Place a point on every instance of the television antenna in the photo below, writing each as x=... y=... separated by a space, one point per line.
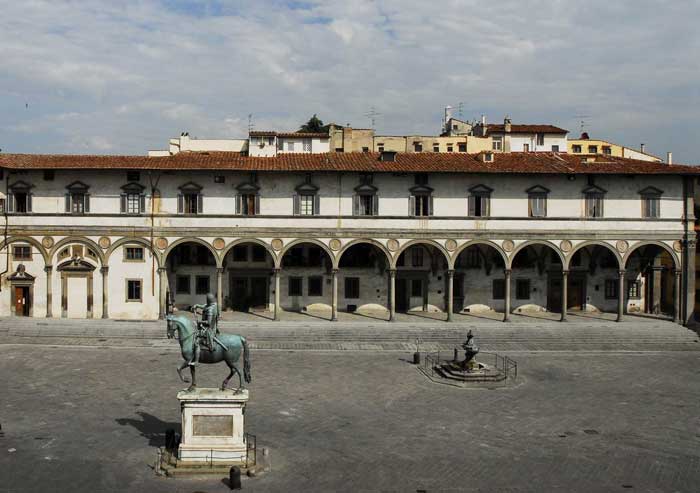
x=251 y=125
x=583 y=124
x=460 y=110
x=372 y=114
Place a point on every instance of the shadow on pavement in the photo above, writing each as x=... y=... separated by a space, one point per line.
x=150 y=427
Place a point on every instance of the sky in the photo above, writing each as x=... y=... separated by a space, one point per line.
x=122 y=77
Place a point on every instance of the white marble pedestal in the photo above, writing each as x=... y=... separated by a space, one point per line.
x=212 y=426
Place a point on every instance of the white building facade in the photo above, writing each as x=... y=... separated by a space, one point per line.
x=120 y=237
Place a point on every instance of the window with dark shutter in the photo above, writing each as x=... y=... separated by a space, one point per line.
x=479 y=201
x=651 y=202
x=19 y=198
x=190 y=200
x=77 y=198
x=306 y=199
x=593 y=201
x=537 y=201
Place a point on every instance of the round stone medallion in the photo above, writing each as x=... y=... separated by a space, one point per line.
x=162 y=243
x=622 y=246
x=334 y=244
x=104 y=242
x=392 y=245
x=277 y=244
x=47 y=241
x=677 y=246
x=451 y=245
x=219 y=243
x=565 y=246
x=508 y=245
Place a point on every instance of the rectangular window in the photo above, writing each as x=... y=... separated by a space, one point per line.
x=307 y=145
x=190 y=201
x=462 y=147
x=436 y=148
x=555 y=148
x=182 y=285
x=498 y=289
x=133 y=254
x=449 y=148
x=295 y=286
x=290 y=146
x=270 y=141
x=651 y=206
x=201 y=284
x=633 y=289
x=592 y=149
x=306 y=205
x=538 y=204
x=133 y=203
x=22 y=252
x=248 y=204
x=316 y=286
x=526 y=147
x=594 y=205
x=134 y=290
x=352 y=287
x=611 y=289
x=576 y=148
x=366 y=205
x=607 y=150
x=133 y=176
x=479 y=205
x=540 y=139
x=77 y=203
x=522 y=289
x=280 y=144
x=259 y=253
x=422 y=205
x=240 y=253
x=417 y=257
x=416 y=288
x=380 y=147
x=497 y=143
x=364 y=149
x=418 y=147
x=21 y=202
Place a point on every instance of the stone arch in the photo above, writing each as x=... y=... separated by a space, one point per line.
x=192 y=239
x=470 y=243
x=389 y=257
x=411 y=243
x=257 y=241
x=664 y=246
x=79 y=239
x=528 y=243
x=32 y=241
x=301 y=241
x=583 y=245
x=141 y=241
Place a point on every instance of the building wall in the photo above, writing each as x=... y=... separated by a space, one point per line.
x=517 y=142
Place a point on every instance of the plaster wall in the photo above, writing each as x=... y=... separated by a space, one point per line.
x=34 y=267
x=119 y=271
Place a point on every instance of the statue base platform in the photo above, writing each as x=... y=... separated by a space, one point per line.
x=476 y=374
x=213 y=430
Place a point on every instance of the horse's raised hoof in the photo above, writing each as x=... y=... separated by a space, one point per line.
x=191 y=388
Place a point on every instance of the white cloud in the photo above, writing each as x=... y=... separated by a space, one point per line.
x=123 y=77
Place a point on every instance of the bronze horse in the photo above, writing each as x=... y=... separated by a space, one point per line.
x=235 y=344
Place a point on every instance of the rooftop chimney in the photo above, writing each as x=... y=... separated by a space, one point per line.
x=507 y=127
x=584 y=136
x=483 y=126
x=669 y=158
x=642 y=146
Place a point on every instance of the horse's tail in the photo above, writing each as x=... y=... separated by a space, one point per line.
x=246 y=360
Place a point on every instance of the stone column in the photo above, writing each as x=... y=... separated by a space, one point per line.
x=620 y=294
x=162 y=291
x=276 y=273
x=689 y=279
x=105 y=291
x=392 y=295
x=564 y=293
x=334 y=298
x=49 y=291
x=677 y=297
x=657 y=271
x=450 y=293
x=220 y=288
x=506 y=311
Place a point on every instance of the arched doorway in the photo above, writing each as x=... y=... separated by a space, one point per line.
x=479 y=282
x=306 y=278
x=537 y=280
x=363 y=285
x=191 y=269
x=421 y=279
x=593 y=280
x=651 y=282
x=248 y=267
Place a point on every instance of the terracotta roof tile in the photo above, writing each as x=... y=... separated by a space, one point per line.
x=433 y=162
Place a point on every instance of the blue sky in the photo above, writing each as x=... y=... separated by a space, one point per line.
x=123 y=77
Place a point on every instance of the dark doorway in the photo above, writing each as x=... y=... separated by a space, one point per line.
x=401 y=295
x=249 y=292
x=554 y=293
x=576 y=291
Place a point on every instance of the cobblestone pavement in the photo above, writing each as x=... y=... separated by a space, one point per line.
x=84 y=419
x=524 y=334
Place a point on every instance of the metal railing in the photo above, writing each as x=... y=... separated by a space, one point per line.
x=504 y=364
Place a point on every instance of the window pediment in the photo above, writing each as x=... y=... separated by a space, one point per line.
x=594 y=189
x=306 y=188
x=481 y=189
x=133 y=187
x=421 y=190
x=538 y=189
x=365 y=189
x=190 y=187
x=21 y=186
x=248 y=188
x=650 y=191
x=77 y=187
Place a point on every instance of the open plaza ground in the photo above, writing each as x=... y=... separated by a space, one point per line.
x=91 y=418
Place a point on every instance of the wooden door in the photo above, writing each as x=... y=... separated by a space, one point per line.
x=239 y=293
x=259 y=290
x=576 y=293
x=21 y=301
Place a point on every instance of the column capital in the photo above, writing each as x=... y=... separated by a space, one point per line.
x=450 y=272
x=565 y=272
x=677 y=272
x=220 y=270
x=507 y=271
x=621 y=272
x=335 y=271
x=104 y=269
x=48 y=268
x=392 y=272
x=690 y=243
x=162 y=270
x=276 y=270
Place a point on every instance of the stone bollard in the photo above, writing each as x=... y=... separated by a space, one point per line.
x=456 y=355
x=234 y=478
x=169 y=439
x=267 y=462
x=416 y=358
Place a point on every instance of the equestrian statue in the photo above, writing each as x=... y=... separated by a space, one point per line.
x=201 y=342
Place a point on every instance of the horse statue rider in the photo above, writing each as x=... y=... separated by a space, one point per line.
x=207 y=327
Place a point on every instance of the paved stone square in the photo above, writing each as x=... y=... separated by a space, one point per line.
x=90 y=419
